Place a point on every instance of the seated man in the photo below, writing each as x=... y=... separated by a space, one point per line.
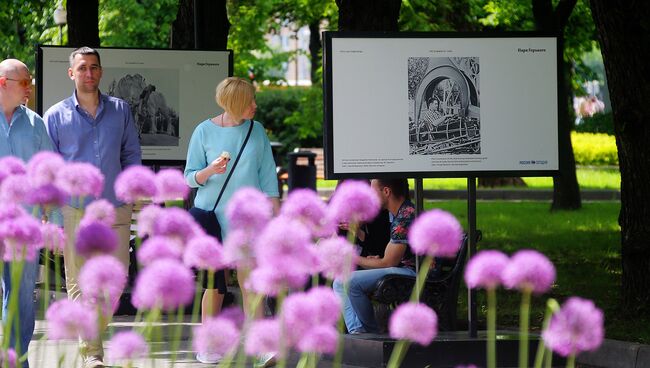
x=398 y=259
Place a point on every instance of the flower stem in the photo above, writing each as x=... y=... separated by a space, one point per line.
x=420 y=278
x=176 y=336
x=524 y=319
x=491 y=328
x=399 y=351
x=197 y=296
x=45 y=294
x=571 y=361
x=551 y=307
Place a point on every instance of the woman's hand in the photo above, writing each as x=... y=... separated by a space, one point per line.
x=219 y=165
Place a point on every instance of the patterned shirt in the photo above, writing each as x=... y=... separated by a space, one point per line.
x=399 y=227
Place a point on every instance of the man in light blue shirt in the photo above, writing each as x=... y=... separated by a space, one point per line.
x=96 y=128
x=22 y=134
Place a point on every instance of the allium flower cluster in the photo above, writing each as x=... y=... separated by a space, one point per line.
x=8 y=359
x=176 y=223
x=311 y=316
x=47 y=195
x=70 y=320
x=135 y=183
x=14 y=189
x=146 y=218
x=159 y=247
x=238 y=249
x=100 y=210
x=485 y=268
x=576 y=327
x=22 y=238
x=11 y=165
x=102 y=280
x=436 y=233
x=165 y=284
x=337 y=258
x=95 y=238
x=170 y=185
x=248 y=209
x=529 y=270
x=43 y=168
x=262 y=337
x=306 y=206
x=204 y=253
x=414 y=322
x=11 y=211
x=353 y=201
x=128 y=345
x=81 y=179
x=216 y=335
x=53 y=237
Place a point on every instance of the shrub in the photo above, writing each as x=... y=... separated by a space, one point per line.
x=599 y=123
x=594 y=149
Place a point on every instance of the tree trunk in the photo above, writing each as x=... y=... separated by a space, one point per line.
x=624 y=34
x=315 y=46
x=83 y=23
x=212 y=25
x=368 y=15
x=566 y=191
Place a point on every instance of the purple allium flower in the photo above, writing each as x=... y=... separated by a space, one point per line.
x=8 y=359
x=22 y=238
x=485 y=268
x=306 y=206
x=270 y=280
x=176 y=223
x=285 y=240
x=11 y=165
x=48 y=195
x=102 y=280
x=216 y=335
x=238 y=249
x=170 y=185
x=128 y=345
x=146 y=218
x=327 y=305
x=70 y=320
x=248 y=209
x=436 y=233
x=576 y=327
x=338 y=258
x=303 y=311
x=11 y=211
x=134 y=183
x=95 y=238
x=235 y=314
x=159 y=247
x=99 y=210
x=53 y=237
x=263 y=337
x=529 y=270
x=414 y=322
x=81 y=179
x=204 y=253
x=14 y=189
x=320 y=339
x=353 y=201
x=165 y=284
x=44 y=167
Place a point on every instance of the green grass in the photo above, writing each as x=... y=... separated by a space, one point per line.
x=588 y=177
x=584 y=245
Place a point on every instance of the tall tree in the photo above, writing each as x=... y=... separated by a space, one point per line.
x=624 y=33
x=566 y=192
x=142 y=23
x=83 y=23
x=369 y=15
x=206 y=28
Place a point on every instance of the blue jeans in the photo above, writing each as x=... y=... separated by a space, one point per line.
x=357 y=308
x=25 y=304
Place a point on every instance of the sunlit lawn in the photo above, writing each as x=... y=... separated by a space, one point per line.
x=584 y=245
x=588 y=178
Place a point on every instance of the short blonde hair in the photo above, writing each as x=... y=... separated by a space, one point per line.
x=235 y=95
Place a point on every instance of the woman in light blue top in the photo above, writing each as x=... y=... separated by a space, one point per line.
x=207 y=169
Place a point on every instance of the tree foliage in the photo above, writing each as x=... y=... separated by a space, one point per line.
x=141 y=23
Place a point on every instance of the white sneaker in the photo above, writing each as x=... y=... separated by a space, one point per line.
x=265 y=360
x=209 y=358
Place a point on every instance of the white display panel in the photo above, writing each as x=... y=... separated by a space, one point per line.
x=170 y=91
x=425 y=105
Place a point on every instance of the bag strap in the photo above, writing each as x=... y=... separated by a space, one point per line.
x=250 y=129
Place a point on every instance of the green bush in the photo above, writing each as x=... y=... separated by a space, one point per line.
x=290 y=117
x=594 y=149
x=599 y=123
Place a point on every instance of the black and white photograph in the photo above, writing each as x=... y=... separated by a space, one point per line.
x=444 y=110
x=153 y=96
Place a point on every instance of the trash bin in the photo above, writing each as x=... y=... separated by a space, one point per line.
x=302 y=170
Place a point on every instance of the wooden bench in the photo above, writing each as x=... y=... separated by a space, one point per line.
x=439 y=292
